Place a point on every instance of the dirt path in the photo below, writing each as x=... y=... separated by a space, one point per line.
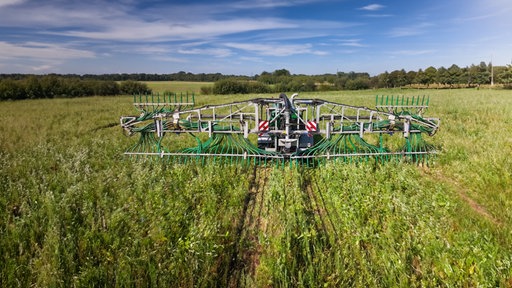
x=457 y=187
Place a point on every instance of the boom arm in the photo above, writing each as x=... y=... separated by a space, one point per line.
x=285 y=128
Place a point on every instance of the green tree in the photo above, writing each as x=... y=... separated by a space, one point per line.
x=421 y=78
x=230 y=86
x=430 y=75
x=133 y=87
x=360 y=83
x=340 y=81
x=484 y=73
x=410 y=76
x=281 y=73
x=398 y=78
x=383 y=80
x=505 y=76
x=33 y=89
x=51 y=86
x=258 y=87
x=454 y=75
x=104 y=87
x=478 y=74
x=265 y=77
x=442 y=75
x=310 y=85
x=11 y=90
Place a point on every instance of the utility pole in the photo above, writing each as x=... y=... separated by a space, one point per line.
x=492 y=73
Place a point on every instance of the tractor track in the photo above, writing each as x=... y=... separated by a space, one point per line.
x=326 y=209
x=246 y=250
x=461 y=192
x=105 y=126
x=316 y=209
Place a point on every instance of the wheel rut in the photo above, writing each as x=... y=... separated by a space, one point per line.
x=316 y=208
x=246 y=251
x=461 y=192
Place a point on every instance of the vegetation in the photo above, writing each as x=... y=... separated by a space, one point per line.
x=50 y=86
x=179 y=87
x=75 y=212
x=180 y=76
x=231 y=86
x=19 y=86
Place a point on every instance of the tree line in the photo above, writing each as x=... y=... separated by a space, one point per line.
x=52 y=86
x=25 y=86
x=451 y=77
x=283 y=81
x=180 y=76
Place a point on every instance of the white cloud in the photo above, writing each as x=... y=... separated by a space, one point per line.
x=153 y=49
x=379 y=15
x=372 y=7
x=411 y=30
x=152 y=34
x=216 y=52
x=351 y=43
x=275 y=49
x=492 y=15
x=137 y=30
x=412 y=52
x=252 y=59
x=116 y=22
x=30 y=57
x=44 y=67
x=39 y=50
x=169 y=59
x=259 y=4
x=10 y=2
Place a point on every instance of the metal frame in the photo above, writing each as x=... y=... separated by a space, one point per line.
x=287 y=119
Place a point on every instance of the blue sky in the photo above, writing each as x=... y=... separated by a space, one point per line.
x=249 y=37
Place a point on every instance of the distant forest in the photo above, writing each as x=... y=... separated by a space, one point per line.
x=29 y=86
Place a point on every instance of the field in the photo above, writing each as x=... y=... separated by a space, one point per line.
x=74 y=211
x=176 y=86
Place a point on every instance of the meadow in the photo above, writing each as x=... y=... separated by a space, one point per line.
x=76 y=212
x=177 y=86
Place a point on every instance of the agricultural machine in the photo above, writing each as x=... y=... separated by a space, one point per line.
x=281 y=129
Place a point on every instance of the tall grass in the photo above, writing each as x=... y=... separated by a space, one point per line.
x=177 y=86
x=75 y=212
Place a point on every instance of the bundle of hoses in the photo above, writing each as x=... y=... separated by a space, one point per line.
x=227 y=148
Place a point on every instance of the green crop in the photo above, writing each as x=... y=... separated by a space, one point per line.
x=74 y=211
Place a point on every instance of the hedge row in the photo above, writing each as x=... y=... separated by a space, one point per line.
x=58 y=87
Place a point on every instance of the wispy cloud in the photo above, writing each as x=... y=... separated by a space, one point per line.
x=38 y=56
x=372 y=7
x=275 y=49
x=251 y=4
x=169 y=59
x=10 y=2
x=379 y=15
x=216 y=52
x=351 y=43
x=411 y=30
x=412 y=52
x=483 y=16
x=171 y=52
x=252 y=59
x=137 y=30
x=48 y=15
x=41 y=50
x=305 y=30
x=151 y=49
x=42 y=68
x=123 y=35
